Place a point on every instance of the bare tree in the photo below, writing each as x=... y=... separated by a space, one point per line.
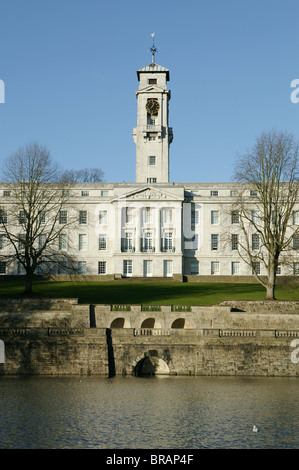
x=268 y=206
x=86 y=175
x=34 y=219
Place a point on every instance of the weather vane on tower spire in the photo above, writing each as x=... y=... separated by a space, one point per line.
x=153 y=48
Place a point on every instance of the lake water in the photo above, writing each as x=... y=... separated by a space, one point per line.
x=148 y=413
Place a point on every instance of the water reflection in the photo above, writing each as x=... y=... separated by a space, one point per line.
x=150 y=413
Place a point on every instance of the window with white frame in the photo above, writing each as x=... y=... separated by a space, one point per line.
x=235 y=267
x=168 y=268
x=103 y=217
x=295 y=269
x=255 y=217
x=62 y=242
x=256 y=267
x=296 y=218
x=3 y=217
x=21 y=241
x=42 y=240
x=62 y=267
x=147 y=215
x=168 y=241
x=42 y=217
x=104 y=193
x=167 y=215
x=147 y=268
x=82 y=217
x=84 y=193
x=151 y=180
x=129 y=215
x=102 y=267
x=22 y=217
x=214 y=241
x=235 y=241
x=296 y=242
x=235 y=217
x=128 y=241
x=128 y=268
x=253 y=193
x=214 y=193
x=82 y=267
x=214 y=217
x=62 y=217
x=148 y=241
x=82 y=241
x=21 y=269
x=278 y=269
x=6 y=193
x=255 y=241
x=102 y=241
x=215 y=267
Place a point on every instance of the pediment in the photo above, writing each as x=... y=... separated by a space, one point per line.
x=150 y=193
x=151 y=89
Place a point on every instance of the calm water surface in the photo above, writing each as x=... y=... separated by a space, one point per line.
x=149 y=413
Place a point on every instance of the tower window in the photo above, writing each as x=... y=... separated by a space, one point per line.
x=151 y=180
x=152 y=160
x=152 y=81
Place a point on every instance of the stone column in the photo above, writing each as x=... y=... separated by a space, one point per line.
x=158 y=230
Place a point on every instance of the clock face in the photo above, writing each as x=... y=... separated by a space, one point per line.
x=152 y=106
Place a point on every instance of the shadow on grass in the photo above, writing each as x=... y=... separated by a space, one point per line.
x=165 y=293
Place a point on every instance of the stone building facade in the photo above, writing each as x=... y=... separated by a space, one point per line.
x=153 y=228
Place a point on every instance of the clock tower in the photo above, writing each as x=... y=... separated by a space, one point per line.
x=152 y=135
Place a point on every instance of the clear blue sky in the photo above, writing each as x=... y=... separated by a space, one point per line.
x=69 y=68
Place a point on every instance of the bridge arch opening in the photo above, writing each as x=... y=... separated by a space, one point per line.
x=151 y=365
x=178 y=323
x=118 y=323
x=148 y=323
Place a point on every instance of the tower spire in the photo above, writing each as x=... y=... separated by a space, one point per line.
x=153 y=48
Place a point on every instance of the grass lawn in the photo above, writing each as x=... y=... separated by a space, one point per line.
x=163 y=293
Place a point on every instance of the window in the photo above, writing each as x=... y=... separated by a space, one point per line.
x=167 y=242
x=22 y=217
x=82 y=242
x=128 y=241
x=256 y=267
x=21 y=269
x=42 y=217
x=150 y=121
x=82 y=267
x=62 y=267
x=234 y=192
x=62 y=217
x=1 y=241
x=296 y=242
x=235 y=267
x=255 y=216
x=3 y=216
x=104 y=193
x=194 y=268
x=235 y=217
x=235 y=241
x=253 y=193
x=152 y=160
x=147 y=268
x=129 y=215
x=128 y=268
x=62 y=242
x=214 y=193
x=167 y=216
x=255 y=241
x=102 y=217
x=215 y=268
x=22 y=241
x=148 y=241
x=278 y=269
x=151 y=137
x=147 y=213
x=194 y=217
x=295 y=269
x=42 y=240
x=151 y=180
x=6 y=193
x=2 y=267
x=152 y=81
x=214 y=217
x=102 y=267
x=168 y=268
x=214 y=241
x=102 y=242
x=84 y=193
x=82 y=217
x=296 y=218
